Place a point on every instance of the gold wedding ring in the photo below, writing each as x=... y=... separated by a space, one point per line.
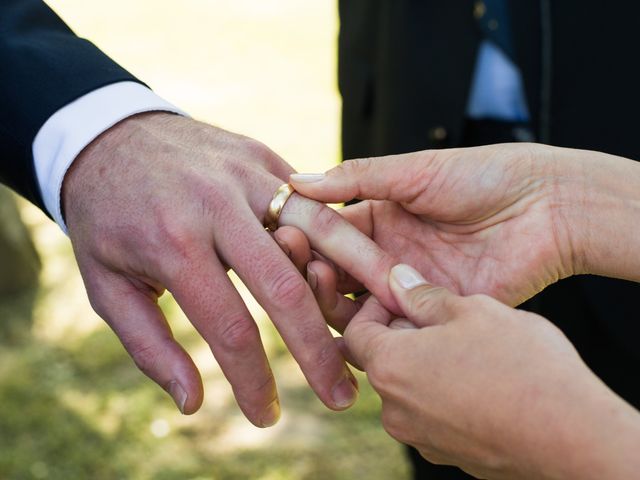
x=275 y=207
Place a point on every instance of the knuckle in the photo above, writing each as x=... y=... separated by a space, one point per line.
x=145 y=356
x=322 y=358
x=381 y=375
x=237 y=333
x=355 y=166
x=288 y=287
x=254 y=398
x=98 y=303
x=239 y=170
x=455 y=306
x=172 y=235
x=256 y=148
x=477 y=302
x=259 y=152
x=103 y=245
x=427 y=301
x=324 y=219
x=436 y=458
x=254 y=395
x=392 y=423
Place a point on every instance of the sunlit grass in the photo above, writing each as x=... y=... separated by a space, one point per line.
x=73 y=405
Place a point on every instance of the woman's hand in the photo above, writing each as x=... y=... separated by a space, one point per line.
x=503 y=220
x=483 y=220
x=499 y=392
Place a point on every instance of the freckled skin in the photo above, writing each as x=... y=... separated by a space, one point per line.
x=164 y=202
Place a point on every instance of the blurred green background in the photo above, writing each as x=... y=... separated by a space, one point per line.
x=72 y=404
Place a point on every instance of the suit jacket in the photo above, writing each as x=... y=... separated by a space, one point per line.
x=43 y=67
x=405 y=72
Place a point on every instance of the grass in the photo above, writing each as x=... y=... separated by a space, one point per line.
x=72 y=404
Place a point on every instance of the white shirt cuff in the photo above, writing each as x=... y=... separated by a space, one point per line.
x=68 y=131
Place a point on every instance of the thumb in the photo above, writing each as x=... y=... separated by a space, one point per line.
x=422 y=303
x=366 y=332
x=395 y=178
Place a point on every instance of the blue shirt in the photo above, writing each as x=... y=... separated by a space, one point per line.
x=497 y=90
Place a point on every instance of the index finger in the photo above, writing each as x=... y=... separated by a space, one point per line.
x=399 y=178
x=337 y=239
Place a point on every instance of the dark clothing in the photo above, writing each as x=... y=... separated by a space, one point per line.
x=43 y=67
x=406 y=65
x=405 y=73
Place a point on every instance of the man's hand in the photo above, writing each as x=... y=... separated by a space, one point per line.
x=160 y=201
x=498 y=392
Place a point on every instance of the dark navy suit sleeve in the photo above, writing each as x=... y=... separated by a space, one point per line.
x=43 y=67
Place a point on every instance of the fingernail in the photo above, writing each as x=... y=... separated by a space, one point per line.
x=312 y=279
x=285 y=248
x=271 y=414
x=345 y=393
x=306 y=177
x=178 y=394
x=407 y=277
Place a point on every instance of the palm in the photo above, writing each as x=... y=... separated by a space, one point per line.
x=500 y=260
x=479 y=226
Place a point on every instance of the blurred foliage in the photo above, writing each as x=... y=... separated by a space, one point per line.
x=18 y=256
x=19 y=270
x=72 y=404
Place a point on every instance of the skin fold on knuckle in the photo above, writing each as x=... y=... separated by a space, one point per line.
x=323 y=220
x=352 y=171
x=324 y=356
x=393 y=421
x=254 y=398
x=146 y=357
x=429 y=303
x=382 y=374
x=313 y=218
x=236 y=332
x=287 y=288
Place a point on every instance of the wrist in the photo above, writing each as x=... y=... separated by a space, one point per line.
x=599 y=201
x=577 y=428
x=601 y=438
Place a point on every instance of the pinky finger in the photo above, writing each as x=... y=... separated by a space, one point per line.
x=141 y=327
x=295 y=245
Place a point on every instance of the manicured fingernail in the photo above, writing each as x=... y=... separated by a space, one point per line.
x=345 y=393
x=178 y=394
x=307 y=177
x=271 y=414
x=312 y=279
x=407 y=277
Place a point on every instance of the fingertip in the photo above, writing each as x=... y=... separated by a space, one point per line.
x=422 y=304
x=406 y=277
x=402 y=280
x=190 y=392
x=294 y=243
x=345 y=392
x=271 y=414
x=322 y=187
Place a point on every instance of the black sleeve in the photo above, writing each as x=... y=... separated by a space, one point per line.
x=43 y=67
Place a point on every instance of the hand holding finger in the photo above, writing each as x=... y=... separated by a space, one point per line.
x=345 y=245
